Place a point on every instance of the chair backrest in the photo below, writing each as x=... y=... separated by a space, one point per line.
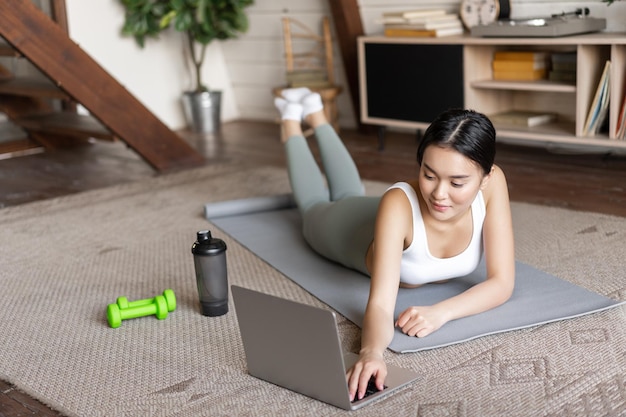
x=308 y=54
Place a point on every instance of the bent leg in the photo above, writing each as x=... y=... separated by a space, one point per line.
x=307 y=182
x=305 y=177
x=341 y=171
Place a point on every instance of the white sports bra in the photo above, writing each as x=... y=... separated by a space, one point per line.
x=418 y=266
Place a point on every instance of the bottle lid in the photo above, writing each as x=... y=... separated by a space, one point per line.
x=207 y=244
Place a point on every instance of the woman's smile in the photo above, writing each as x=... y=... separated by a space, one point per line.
x=442 y=208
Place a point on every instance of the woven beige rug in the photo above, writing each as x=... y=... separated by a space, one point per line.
x=63 y=260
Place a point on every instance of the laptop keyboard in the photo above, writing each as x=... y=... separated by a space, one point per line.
x=371 y=389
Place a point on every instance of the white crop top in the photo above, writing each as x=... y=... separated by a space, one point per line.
x=418 y=266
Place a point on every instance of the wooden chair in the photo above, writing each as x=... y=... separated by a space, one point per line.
x=309 y=63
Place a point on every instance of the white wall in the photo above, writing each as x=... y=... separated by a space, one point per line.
x=157 y=74
x=256 y=61
x=248 y=68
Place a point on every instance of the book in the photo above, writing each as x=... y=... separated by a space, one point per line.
x=523 y=118
x=564 y=61
x=562 y=76
x=512 y=65
x=409 y=14
x=564 y=66
x=433 y=33
x=564 y=57
x=418 y=20
x=620 y=130
x=528 y=75
x=520 y=56
x=599 y=105
x=439 y=24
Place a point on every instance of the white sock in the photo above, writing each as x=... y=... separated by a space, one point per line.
x=311 y=103
x=288 y=110
x=294 y=95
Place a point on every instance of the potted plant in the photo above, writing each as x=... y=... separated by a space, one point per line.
x=201 y=22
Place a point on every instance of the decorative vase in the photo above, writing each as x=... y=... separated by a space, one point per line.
x=202 y=110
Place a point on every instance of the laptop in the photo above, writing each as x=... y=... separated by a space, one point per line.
x=297 y=346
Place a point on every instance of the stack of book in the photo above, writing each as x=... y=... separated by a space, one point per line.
x=421 y=23
x=600 y=104
x=563 y=67
x=523 y=118
x=520 y=65
x=621 y=122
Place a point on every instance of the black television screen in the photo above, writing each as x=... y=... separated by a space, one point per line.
x=412 y=82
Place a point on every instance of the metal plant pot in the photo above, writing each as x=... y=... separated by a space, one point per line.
x=202 y=110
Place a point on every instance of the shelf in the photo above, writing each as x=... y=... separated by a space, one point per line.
x=559 y=132
x=65 y=124
x=545 y=137
x=541 y=85
x=480 y=92
x=554 y=129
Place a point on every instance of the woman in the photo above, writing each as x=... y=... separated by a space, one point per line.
x=430 y=229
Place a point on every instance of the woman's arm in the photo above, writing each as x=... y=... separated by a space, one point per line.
x=500 y=260
x=393 y=221
x=499 y=253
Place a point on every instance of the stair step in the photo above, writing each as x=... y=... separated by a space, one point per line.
x=46 y=45
x=65 y=124
x=29 y=87
x=14 y=141
x=7 y=50
x=19 y=147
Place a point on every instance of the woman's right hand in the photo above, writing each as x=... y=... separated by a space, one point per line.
x=369 y=365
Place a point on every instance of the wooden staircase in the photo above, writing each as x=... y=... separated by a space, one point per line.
x=47 y=111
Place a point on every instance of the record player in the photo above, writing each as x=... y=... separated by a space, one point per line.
x=565 y=24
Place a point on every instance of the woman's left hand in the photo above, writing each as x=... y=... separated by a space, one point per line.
x=420 y=321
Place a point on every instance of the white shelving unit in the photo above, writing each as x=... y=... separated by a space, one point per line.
x=482 y=93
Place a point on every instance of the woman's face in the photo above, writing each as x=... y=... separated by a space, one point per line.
x=449 y=182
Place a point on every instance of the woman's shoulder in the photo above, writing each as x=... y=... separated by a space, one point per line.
x=400 y=195
x=404 y=191
x=496 y=186
x=406 y=186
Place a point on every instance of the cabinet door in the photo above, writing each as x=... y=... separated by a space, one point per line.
x=411 y=82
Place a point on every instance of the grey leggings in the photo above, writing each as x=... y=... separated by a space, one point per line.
x=338 y=221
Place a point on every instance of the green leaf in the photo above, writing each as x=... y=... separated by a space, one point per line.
x=167 y=19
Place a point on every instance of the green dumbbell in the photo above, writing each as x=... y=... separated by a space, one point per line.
x=158 y=307
x=170 y=298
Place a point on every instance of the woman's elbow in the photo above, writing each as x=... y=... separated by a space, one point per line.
x=505 y=291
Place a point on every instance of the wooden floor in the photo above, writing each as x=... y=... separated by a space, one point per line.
x=590 y=181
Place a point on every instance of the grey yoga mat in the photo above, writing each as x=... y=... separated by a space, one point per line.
x=275 y=237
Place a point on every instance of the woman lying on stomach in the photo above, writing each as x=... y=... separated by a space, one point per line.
x=426 y=230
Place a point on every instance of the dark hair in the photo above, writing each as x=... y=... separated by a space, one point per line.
x=466 y=131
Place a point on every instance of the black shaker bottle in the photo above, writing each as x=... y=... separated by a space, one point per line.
x=209 y=258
